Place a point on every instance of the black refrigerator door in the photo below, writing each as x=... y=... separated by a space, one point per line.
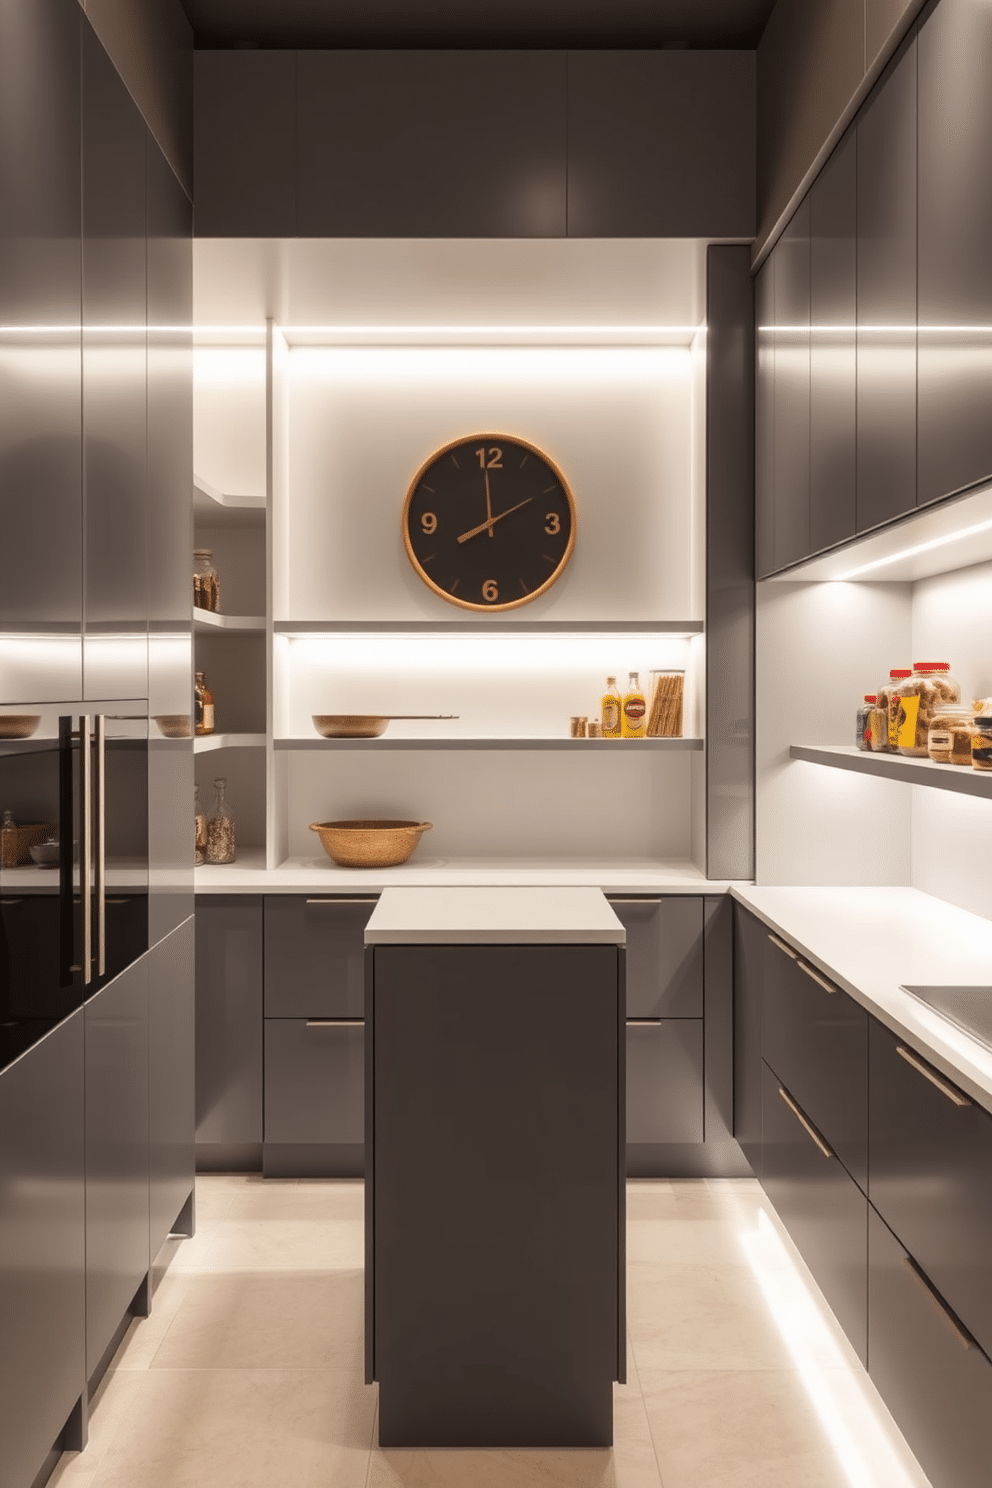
x=73 y=859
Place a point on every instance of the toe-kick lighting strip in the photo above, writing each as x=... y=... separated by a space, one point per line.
x=859 y=1435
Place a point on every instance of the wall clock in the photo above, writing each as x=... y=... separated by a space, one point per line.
x=489 y=522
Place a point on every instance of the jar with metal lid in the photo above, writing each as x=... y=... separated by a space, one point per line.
x=206 y=585
x=862 y=724
x=981 y=742
x=914 y=701
x=886 y=693
x=950 y=734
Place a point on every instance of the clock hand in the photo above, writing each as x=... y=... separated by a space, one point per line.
x=474 y=531
x=489 y=505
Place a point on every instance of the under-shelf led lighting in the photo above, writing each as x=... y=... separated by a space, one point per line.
x=466 y=651
x=866 y=1444
x=925 y=547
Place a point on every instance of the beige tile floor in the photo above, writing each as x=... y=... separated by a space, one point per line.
x=248 y=1374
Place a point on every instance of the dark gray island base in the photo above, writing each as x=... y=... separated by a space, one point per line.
x=494 y=1191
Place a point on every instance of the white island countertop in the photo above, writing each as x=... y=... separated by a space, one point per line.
x=873 y=941
x=493 y=916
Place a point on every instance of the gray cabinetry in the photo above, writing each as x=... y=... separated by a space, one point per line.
x=664 y=1084
x=171 y=1084
x=764 y=419
x=315 y=955
x=664 y=955
x=661 y=144
x=790 y=460
x=244 y=143
x=228 y=1031
x=750 y=955
x=42 y=1250
x=887 y=295
x=431 y=144
x=117 y=1251
x=955 y=230
x=833 y=353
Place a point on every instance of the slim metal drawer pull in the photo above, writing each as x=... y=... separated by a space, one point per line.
x=643 y=1022
x=960 y=1331
x=794 y=955
x=335 y=1022
x=805 y=1123
x=342 y=901
x=648 y=899
x=922 y=1068
x=820 y=981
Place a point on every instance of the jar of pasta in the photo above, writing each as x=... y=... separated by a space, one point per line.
x=914 y=702
x=950 y=734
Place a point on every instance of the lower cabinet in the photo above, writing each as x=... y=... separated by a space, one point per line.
x=664 y=1080
x=931 y=1374
x=171 y=1086
x=314 y=1097
x=228 y=1032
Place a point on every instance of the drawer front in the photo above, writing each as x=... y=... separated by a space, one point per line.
x=665 y=1080
x=816 y=1041
x=664 y=955
x=821 y=1207
x=315 y=955
x=750 y=946
x=938 y=1389
x=930 y=1176
x=314 y=1081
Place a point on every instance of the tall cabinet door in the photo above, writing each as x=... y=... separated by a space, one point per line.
x=887 y=295
x=955 y=262
x=170 y=541
x=792 y=337
x=764 y=419
x=115 y=498
x=833 y=354
x=40 y=403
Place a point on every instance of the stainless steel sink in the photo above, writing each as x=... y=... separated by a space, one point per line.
x=968 y=1008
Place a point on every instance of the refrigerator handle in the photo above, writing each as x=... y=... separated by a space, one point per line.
x=67 y=821
x=100 y=816
x=86 y=846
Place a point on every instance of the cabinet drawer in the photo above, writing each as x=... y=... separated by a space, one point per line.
x=816 y=1041
x=314 y=1081
x=664 y=956
x=930 y=1175
x=315 y=956
x=820 y=1205
x=665 y=1080
x=937 y=1385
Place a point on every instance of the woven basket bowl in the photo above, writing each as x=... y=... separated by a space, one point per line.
x=369 y=844
x=18 y=725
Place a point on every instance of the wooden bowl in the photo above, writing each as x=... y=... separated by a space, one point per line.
x=349 y=725
x=369 y=844
x=18 y=725
x=174 y=725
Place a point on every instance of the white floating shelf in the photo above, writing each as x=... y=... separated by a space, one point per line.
x=206 y=742
x=959 y=778
x=213 y=508
x=618 y=746
x=488 y=627
x=210 y=620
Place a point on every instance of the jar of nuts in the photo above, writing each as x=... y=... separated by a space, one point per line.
x=914 y=701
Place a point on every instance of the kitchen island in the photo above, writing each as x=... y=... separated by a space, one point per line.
x=495 y=1150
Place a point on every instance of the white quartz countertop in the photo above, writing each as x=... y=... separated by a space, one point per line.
x=249 y=875
x=493 y=916
x=871 y=941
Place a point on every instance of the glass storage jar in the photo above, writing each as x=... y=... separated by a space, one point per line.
x=666 y=690
x=913 y=704
x=885 y=696
x=981 y=742
x=206 y=585
x=862 y=721
x=220 y=827
x=204 y=706
x=950 y=734
x=199 y=830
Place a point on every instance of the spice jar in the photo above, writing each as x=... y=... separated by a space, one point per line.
x=913 y=704
x=199 y=830
x=950 y=734
x=204 y=706
x=862 y=723
x=886 y=693
x=220 y=827
x=981 y=742
x=206 y=585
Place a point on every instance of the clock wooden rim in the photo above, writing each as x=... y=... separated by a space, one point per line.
x=535 y=449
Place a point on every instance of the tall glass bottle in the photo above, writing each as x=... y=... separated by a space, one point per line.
x=609 y=710
x=199 y=830
x=220 y=827
x=204 y=706
x=633 y=720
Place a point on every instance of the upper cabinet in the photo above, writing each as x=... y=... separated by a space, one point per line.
x=481 y=143
x=886 y=145
x=661 y=144
x=833 y=358
x=790 y=462
x=955 y=232
x=430 y=144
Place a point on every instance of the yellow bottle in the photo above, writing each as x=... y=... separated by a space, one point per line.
x=633 y=715
x=609 y=710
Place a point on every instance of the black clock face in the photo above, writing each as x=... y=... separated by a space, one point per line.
x=489 y=522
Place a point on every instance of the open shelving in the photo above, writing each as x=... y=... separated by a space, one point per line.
x=207 y=742
x=210 y=620
x=957 y=778
x=617 y=746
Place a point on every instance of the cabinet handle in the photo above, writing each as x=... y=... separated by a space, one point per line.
x=820 y=981
x=647 y=899
x=960 y=1331
x=335 y=1022
x=793 y=955
x=643 y=1022
x=804 y=1122
x=922 y=1068
x=342 y=901
x=85 y=848
x=100 y=808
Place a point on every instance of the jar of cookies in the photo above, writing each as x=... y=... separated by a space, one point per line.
x=949 y=738
x=914 y=702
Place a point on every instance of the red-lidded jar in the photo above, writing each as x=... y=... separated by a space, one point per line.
x=862 y=724
x=886 y=692
x=915 y=701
